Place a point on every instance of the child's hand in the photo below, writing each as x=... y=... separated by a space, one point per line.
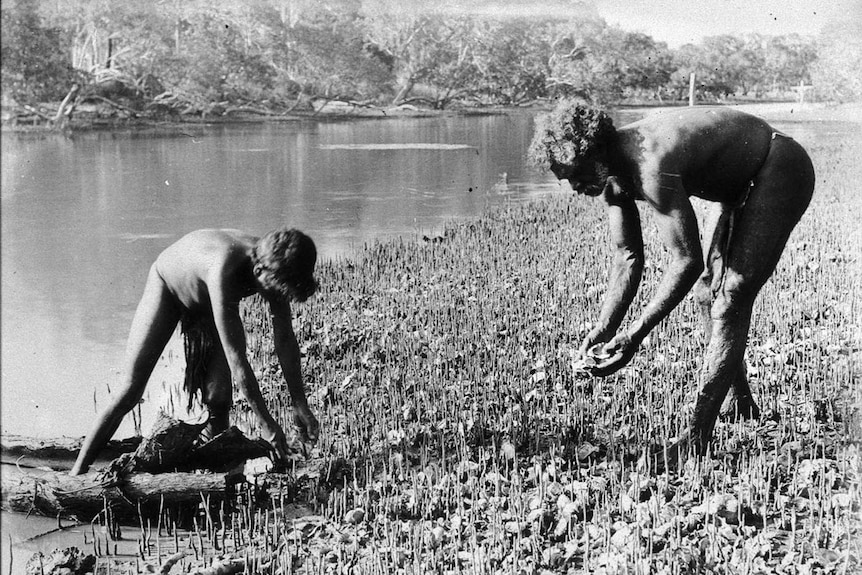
x=274 y=434
x=307 y=425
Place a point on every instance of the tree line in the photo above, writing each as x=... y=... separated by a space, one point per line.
x=197 y=57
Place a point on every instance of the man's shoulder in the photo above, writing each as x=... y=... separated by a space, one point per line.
x=213 y=241
x=689 y=116
x=680 y=132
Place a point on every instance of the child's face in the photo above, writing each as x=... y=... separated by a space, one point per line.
x=302 y=290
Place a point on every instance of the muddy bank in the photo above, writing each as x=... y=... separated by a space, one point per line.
x=92 y=119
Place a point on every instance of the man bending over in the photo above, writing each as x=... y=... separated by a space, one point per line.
x=761 y=182
x=198 y=282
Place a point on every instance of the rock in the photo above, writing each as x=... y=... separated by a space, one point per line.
x=168 y=445
x=69 y=561
x=354 y=516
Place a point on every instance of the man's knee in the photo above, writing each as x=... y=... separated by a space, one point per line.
x=703 y=290
x=737 y=293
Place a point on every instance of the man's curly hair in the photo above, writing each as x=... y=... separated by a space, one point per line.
x=569 y=132
x=284 y=263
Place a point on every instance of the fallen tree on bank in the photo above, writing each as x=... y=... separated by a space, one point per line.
x=58 y=453
x=158 y=472
x=54 y=493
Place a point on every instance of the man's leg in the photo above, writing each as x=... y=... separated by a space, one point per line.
x=715 y=247
x=782 y=191
x=714 y=244
x=155 y=320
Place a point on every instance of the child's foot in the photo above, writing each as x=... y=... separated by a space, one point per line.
x=208 y=433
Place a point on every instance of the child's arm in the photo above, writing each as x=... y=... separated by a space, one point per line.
x=232 y=335
x=289 y=356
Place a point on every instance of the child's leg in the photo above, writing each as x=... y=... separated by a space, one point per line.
x=217 y=394
x=154 y=323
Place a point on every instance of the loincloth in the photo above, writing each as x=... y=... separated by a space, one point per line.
x=198 y=345
x=735 y=212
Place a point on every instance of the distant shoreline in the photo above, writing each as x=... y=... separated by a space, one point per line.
x=776 y=111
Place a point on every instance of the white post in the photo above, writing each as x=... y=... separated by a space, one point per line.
x=691 y=90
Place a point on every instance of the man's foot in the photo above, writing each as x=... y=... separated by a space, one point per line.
x=743 y=407
x=667 y=458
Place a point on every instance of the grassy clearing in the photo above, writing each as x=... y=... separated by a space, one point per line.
x=456 y=438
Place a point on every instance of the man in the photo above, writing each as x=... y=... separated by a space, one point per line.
x=761 y=181
x=198 y=282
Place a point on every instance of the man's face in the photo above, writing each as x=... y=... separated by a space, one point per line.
x=584 y=175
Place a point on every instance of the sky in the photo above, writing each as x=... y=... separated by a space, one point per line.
x=678 y=22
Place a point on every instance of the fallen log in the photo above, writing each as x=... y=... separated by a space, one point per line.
x=57 y=453
x=170 y=447
x=155 y=474
x=54 y=493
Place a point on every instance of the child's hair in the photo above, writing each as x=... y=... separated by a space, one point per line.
x=284 y=263
x=570 y=131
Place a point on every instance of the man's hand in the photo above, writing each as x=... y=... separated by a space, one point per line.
x=612 y=356
x=306 y=425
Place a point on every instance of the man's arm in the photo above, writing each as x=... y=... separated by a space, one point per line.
x=626 y=268
x=678 y=230
x=289 y=356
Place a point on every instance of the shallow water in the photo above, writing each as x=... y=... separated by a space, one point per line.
x=83 y=218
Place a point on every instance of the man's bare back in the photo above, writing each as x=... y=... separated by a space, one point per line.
x=711 y=153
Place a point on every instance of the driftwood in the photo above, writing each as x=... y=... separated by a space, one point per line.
x=156 y=473
x=170 y=447
x=69 y=561
x=67 y=106
x=55 y=493
x=131 y=111
x=56 y=453
x=37 y=112
x=174 y=446
x=227 y=450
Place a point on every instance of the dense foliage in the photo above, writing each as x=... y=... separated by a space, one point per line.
x=35 y=65
x=278 y=54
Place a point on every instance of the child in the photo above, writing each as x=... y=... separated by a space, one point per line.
x=198 y=282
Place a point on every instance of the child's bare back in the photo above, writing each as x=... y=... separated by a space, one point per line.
x=189 y=265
